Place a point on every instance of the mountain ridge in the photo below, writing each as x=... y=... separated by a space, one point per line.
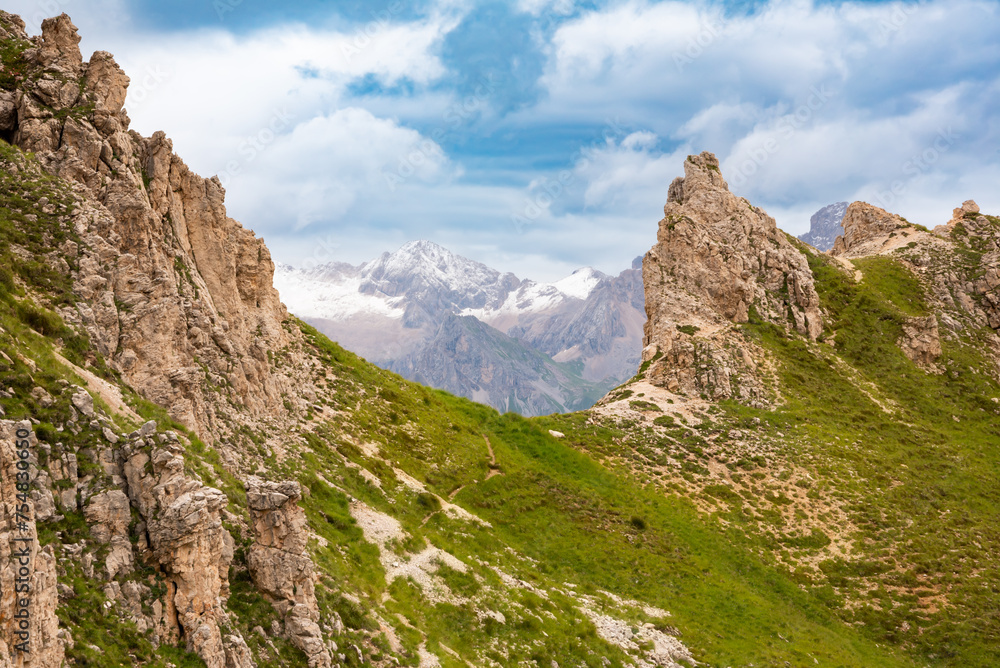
x=398 y=311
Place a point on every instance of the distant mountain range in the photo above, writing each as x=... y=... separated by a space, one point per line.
x=446 y=321
x=825 y=226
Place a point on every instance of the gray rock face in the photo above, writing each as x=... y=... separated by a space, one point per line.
x=169 y=288
x=470 y=358
x=186 y=539
x=109 y=513
x=825 y=226
x=18 y=537
x=921 y=341
x=604 y=325
x=719 y=260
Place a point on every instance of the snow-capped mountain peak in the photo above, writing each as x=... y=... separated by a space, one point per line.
x=580 y=283
x=426 y=275
x=426 y=272
x=409 y=311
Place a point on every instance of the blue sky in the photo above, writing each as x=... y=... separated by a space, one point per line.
x=541 y=135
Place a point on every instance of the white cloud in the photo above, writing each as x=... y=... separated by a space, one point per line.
x=627 y=175
x=320 y=170
x=211 y=90
x=806 y=104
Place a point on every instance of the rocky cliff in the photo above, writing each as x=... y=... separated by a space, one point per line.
x=176 y=295
x=718 y=260
x=160 y=290
x=957 y=261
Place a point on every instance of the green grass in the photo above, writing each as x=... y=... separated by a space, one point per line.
x=577 y=520
x=917 y=480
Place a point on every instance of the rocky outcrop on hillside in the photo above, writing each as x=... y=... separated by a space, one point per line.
x=185 y=537
x=921 y=341
x=978 y=292
x=958 y=264
x=825 y=226
x=718 y=260
x=867 y=228
x=109 y=513
x=176 y=294
x=29 y=627
x=144 y=542
x=179 y=531
x=728 y=254
x=280 y=565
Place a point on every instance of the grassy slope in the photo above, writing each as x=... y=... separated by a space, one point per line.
x=918 y=480
x=580 y=522
x=922 y=479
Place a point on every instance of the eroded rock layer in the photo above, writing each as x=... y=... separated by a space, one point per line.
x=280 y=565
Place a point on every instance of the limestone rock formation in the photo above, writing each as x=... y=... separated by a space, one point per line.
x=280 y=565
x=110 y=513
x=24 y=562
x=967 y=291
x=969 y=207
x=980 y=235
x=866 y=230
x=164 y=276
x=183 y=527
x=921 y=341
x=717 y=260
x=178 y=299
x=729 y=254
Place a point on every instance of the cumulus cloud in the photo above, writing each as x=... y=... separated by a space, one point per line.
x=211 y=90
x=805 y=103
x=320 y=171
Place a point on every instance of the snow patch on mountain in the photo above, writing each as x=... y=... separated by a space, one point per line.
x=423 y=270
x=580 y=283
x=317 y=294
